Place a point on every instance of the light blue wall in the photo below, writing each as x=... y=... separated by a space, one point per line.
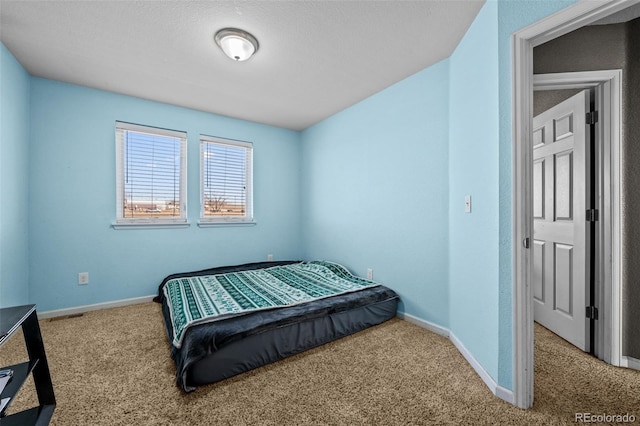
x=73 y=198
x=473 y=170
x=513 y=15
x=375 y=192
x=14 y=181
x=407 y=247
x=481 y=242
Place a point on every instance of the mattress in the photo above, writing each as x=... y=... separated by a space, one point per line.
x=212 y=348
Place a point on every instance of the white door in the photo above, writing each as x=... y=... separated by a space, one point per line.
x=561 y=246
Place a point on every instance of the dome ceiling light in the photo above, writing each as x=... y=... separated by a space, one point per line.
x=237 y=44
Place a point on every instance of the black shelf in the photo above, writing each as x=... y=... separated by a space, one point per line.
x=10 y=320
x=20 y=373
x=40 y=415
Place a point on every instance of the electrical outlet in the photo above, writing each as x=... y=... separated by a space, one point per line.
x=83 y=278
x=369 y=274
x=270 y=257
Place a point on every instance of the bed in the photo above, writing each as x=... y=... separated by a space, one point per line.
x=224 y=321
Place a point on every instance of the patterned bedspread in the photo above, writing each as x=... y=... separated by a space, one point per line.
x=201 y=299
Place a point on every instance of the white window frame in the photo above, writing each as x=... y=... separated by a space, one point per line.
x=247 y=218
x=125 y=222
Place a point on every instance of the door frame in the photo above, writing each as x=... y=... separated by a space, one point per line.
x=607 y=86
x=523 y=42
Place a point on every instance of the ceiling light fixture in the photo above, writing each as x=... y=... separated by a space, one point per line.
x=237 y=44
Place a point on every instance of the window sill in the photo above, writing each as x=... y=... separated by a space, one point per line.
x=150 y=225
x=224 y=224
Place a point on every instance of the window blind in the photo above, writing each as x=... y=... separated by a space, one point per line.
x=151 y=174
x=226 y=180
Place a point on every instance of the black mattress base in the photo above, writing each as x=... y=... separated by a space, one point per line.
x=272 y=345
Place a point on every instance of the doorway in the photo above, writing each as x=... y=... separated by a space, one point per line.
x=559 y=24
x=605 y=87
x=564 y=218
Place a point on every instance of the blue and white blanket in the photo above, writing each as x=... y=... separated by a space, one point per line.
x=201 y=299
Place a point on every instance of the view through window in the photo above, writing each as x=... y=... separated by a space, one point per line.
x=151 y=173
x=225 y=179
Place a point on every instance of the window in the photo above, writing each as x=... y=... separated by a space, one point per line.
x=151 y=175
x=225 y=181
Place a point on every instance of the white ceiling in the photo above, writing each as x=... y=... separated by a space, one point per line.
x=315 y=58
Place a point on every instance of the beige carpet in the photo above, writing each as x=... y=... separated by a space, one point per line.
x=113 y=367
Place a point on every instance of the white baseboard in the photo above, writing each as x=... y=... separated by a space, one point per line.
x=94 y=307
x=499 y=391
x=630 y=362
x=424 y=324
x=505 y=394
